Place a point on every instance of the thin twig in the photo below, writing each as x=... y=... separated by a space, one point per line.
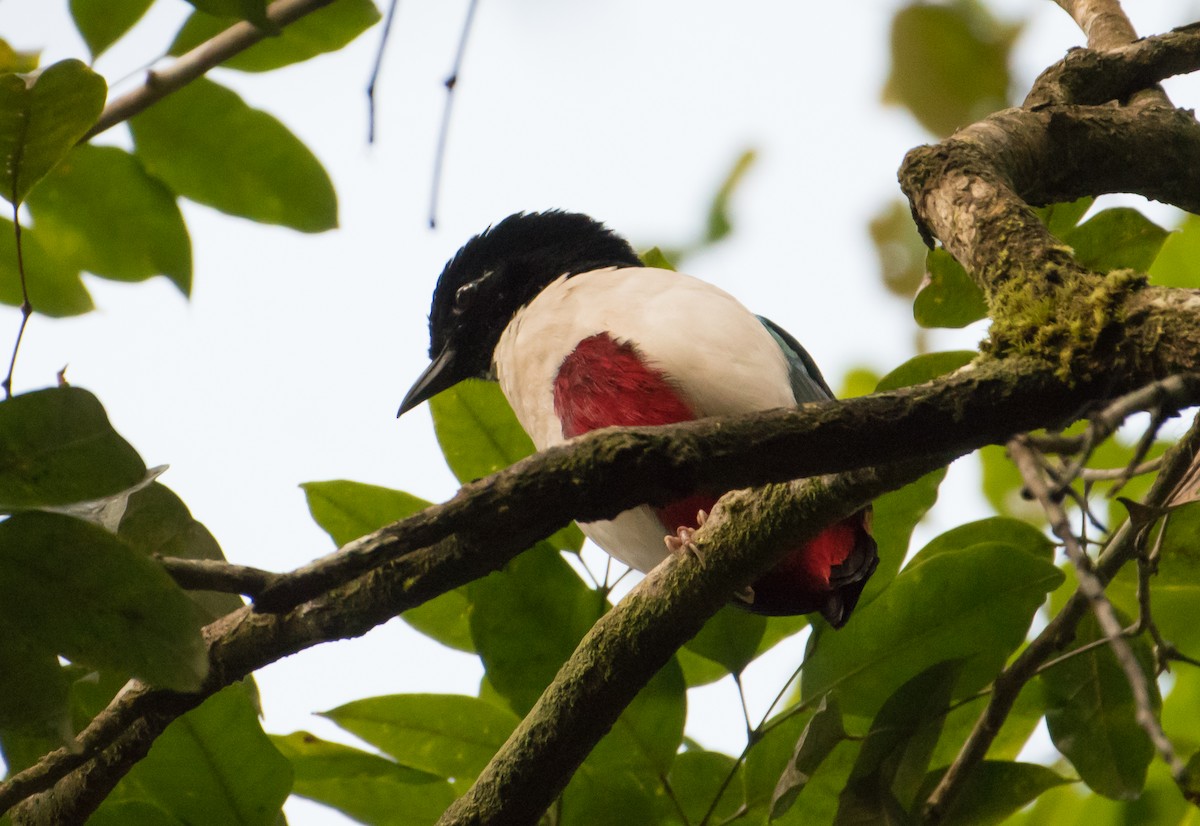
x=1163 y=397
x=195 y=63
x=753 y=735
x=26 y=306
x=1119 y=550
x=1157 y=418
x=1147 y=568
x=217 y=575
x=444 y=133
x=375 y=69
x=1093 y=588
x=1108 y=474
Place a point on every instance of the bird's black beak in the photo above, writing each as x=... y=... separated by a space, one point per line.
x=441 y=374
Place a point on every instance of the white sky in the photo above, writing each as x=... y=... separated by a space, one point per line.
x=289 y=361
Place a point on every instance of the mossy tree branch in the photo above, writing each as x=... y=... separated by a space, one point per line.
x=1057 y=329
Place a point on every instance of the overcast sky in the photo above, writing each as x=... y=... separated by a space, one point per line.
x=290 y=359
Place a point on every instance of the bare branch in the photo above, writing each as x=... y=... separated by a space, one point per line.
x=1157 y=398
x=217 y=575
x=602 y=474
x=439 y=158
x=1058 y=633
x=378 y=67
x=1106 y=616
x=1090 y=77
x=186 y=68
x=628 y=645
x=448 y=545
x=1103 y=21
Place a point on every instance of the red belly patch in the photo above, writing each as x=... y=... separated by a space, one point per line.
x=606 y=383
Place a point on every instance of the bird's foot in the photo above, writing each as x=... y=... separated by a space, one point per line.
x=682 y=541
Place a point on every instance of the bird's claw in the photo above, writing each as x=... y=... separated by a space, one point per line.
x=682 y=541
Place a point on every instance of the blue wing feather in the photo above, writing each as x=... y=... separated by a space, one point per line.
x=808 y=385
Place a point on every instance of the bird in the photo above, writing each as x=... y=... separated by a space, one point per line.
x=582 y=335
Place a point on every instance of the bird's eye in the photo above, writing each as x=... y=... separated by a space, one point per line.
x=464 y=295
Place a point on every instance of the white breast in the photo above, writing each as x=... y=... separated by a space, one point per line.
x=717 y=353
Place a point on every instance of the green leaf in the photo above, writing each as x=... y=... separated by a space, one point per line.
x=621 y=780
x=103 y=22
x=899 y=247
x=101 y=212
x=768 y=757
x=364 y=786
x=1178 y=263
x=719 y=224
x=206 y=144
x=1176 y=587
x=214 y=765
x=253 y=10
x=949 y=63
x=1023 y=718
x=606 y=797
x=923 y=368
x=994 y=790
x=820 y=737
x=33 y=688
x=347 y=510
x=81 y=592
x=138 y=812
x=446 y=735
x=1016 y=534
x=1191 y=777
x=654 y=257
x=895 y=516
x=1118 y=238
x=948 y=297
x=975 y=604
x=730 y=638
x=55 y=287
x=43 y=115
x=156 y=521
x=1092 y=716
x=12 y=60
x=1062 y=218
x=858 y=381
x=57 y=447
x=696 y=776
x=649 y=731
x=325 y=30
x=527 y=619
x=896 y=752
x=479 y=434
x=1003 y=487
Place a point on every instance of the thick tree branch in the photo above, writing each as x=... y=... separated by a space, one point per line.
x=186 y=68
x=602 y=474
x=1063 y=339
x=1103 y=22
x=1089 y=78
x=472 y=534
x=626 y=647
